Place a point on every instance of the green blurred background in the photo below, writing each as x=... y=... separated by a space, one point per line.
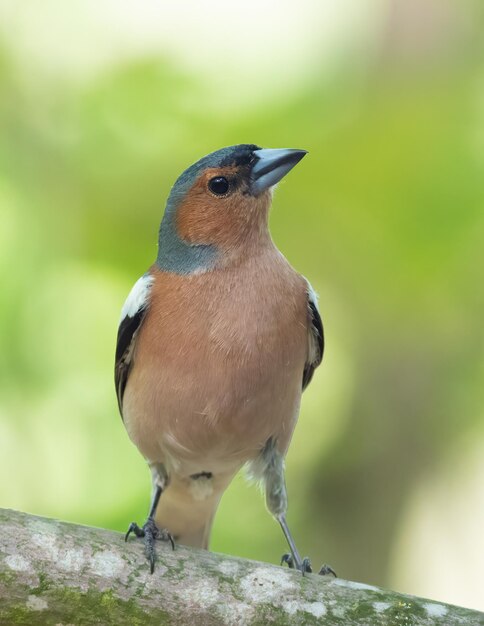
x=103 y=104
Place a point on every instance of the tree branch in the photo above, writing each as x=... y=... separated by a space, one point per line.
x=57 y=573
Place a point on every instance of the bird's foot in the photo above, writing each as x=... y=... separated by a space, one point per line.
x=150 y=533
x=327 y=570
x=305 y=566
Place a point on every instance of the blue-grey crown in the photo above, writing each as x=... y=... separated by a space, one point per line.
x=241 y=154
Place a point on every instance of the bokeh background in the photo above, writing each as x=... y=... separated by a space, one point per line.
x=103 y=104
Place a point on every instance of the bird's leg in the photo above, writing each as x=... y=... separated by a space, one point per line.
x=276 y=498
x=150 y=531
x=293 y=559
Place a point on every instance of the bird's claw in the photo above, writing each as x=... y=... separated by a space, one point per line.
x=327 y=570
x=150 y=533
x=134 y=528
x=305 y=566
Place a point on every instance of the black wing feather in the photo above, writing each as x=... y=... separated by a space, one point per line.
x=124 y=350
x=316 y=328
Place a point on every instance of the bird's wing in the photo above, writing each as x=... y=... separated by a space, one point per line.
x=315 y=338
x=132 y=315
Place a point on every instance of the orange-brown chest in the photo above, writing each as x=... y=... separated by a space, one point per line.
x=252 y=314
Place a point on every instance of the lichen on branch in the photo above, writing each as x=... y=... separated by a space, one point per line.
x=57 y=573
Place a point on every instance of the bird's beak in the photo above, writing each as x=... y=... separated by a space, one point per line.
x=271 y=166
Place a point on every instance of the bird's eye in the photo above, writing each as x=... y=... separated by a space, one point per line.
x=218 y=185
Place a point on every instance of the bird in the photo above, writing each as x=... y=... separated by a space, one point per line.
x=216 y=343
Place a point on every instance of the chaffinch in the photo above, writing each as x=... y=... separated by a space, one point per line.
x=216 y=343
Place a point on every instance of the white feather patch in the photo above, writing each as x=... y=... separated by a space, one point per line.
x=312 y=295
x=138 y=297
x=201 y=488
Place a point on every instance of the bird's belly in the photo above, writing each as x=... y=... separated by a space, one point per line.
x=211 y=411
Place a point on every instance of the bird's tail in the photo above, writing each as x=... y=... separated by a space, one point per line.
x=187 y=514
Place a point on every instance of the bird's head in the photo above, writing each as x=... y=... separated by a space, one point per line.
x=220 y=204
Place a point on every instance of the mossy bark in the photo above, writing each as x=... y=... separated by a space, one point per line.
x=64 y=574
